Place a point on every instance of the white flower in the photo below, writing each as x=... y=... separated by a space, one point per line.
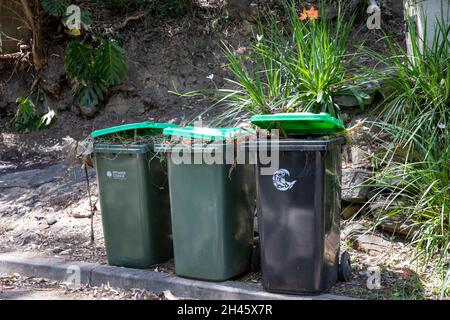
x=259 y=37
x=441 y=126
x=210 y=77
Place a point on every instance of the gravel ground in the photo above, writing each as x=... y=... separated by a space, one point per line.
x=16 y=287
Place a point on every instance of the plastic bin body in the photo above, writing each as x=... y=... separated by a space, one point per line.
x=134 y=199
x=212 y=217
x=299 y=217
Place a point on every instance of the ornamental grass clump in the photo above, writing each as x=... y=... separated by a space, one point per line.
x=413 y=168
x=294 y=65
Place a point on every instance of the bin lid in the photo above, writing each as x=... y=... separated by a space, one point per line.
x=208 y=134
x=152 y=128
x=120 y=148
x=303 y=145
x=299 y=123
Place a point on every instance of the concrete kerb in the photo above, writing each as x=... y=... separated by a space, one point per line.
x=44 y=267
x=125 y=278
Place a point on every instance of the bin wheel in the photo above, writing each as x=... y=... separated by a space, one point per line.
x=345 y=268
x=256 y=260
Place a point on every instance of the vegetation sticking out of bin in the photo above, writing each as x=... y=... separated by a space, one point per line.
x=196 y=136
x=131 y=134
x=129 y=138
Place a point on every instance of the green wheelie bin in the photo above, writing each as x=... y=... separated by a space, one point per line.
x=212 y=204
x=134 y=195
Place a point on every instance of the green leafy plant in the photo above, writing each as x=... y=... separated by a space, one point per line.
x=109 y=63
x=93 y=70
x=445 y=288
x=423 y=190
x=419 y=83
x=312 y=60
x=297 y=66
x=413 y=164
x=28 y=117
x=56 y=8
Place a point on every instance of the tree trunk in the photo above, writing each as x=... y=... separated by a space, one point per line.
x=32 y=17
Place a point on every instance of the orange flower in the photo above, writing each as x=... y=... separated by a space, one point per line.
x=304 y=15
x=313 y=14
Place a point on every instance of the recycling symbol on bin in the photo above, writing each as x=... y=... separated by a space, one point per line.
x=279 y=180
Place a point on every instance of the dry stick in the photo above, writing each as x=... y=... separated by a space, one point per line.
x=12 y=56
x=132 y=18
x=9 y=37
x=90 y=202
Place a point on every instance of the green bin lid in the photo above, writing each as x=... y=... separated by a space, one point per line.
x=300 y=123
x=208 y=134
x=152 y=128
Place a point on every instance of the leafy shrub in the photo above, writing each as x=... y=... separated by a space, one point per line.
x=93 y=70
x=28 y=117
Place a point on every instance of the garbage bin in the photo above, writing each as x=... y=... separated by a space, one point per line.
x=298 y=205
x=134 y=195
x=212 y=204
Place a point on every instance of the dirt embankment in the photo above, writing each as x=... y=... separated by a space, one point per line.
x=163 y=55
